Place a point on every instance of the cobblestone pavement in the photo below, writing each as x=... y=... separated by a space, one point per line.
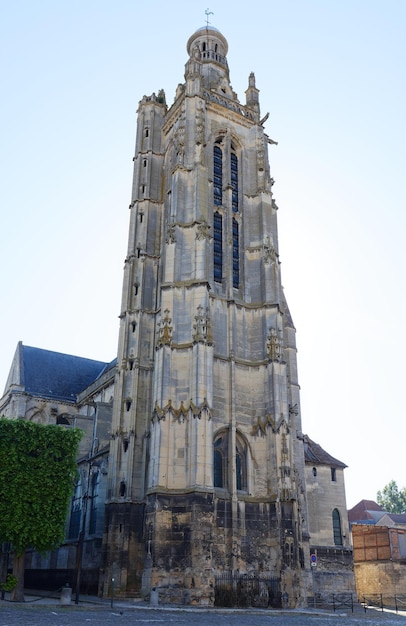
x=31 y=614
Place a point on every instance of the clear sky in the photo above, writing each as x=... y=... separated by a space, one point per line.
x=332 y=76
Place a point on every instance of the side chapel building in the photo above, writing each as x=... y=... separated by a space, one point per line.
x=194 y=464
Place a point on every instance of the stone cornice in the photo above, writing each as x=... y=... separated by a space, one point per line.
x=242 y=362
x=246 y=305
x=186 y=283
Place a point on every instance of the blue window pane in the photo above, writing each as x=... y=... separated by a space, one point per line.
x=74 y=524
x=218 y=469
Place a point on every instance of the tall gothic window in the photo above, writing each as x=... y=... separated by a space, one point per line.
x=218 y=247
x=220 y=462
x=218 y=225
x=218 y=176
x=338 y=536
x=234 y=182
x=93 y=496
x=75 y=513
x=234 y=203
x=236 y=255
x=218 y=220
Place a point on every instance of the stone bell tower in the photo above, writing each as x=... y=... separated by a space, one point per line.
x=206 y=472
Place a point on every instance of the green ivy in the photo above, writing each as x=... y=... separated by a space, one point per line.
x=37 y=474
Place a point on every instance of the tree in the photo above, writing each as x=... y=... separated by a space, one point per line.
x=37 y=474
x=392 y=499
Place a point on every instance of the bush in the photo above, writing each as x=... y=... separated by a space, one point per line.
x=10 y=583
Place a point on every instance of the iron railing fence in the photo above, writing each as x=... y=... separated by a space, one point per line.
x=333 y=601
x=247 y=590
x=381 y=601
x=350 y=602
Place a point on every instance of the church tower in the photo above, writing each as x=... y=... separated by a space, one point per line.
x=206 y=470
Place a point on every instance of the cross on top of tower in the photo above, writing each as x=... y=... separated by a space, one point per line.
x=208 y=12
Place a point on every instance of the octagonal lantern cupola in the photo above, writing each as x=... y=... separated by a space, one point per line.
x=211 y=44
x=207 y=49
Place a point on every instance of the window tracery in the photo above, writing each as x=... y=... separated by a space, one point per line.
x=221 y=462
x=221 y=223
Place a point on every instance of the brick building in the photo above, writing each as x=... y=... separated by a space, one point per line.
x=379 y=543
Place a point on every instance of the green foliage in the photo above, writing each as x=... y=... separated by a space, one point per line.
x=37 y=474
x=392 y=499
x=10 y=583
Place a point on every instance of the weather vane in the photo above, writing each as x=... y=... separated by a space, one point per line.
x=208 y=12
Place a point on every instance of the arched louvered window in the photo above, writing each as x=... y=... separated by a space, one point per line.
x=234 y=204
x=234 y=181
x=217 y=176
x=219 y=216
x=236 y=255
x=218 y=246
x=337 y=532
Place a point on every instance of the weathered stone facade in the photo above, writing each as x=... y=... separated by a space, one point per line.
x=193 y=439
x=206 y=466
x=330 y=538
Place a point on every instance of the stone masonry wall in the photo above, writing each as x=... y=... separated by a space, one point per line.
x=384 y=577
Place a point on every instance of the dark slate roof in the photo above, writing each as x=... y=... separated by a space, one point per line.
x=397 y=518
x=315 y=454
x=107 y=367
x=55 y=375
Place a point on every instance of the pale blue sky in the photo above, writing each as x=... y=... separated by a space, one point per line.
x=332 y=76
